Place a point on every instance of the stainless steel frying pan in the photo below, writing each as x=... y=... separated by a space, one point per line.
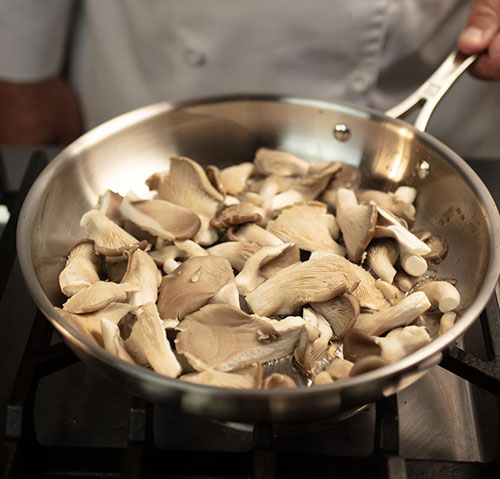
x=123 y=152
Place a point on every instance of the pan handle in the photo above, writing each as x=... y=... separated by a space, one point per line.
x=431 y=92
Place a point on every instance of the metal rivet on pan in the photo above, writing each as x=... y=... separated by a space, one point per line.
x=424 y=168
x=341 y=132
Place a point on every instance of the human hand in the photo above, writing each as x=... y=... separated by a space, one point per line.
x=38 y=113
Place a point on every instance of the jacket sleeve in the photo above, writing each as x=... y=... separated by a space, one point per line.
x=32 y=38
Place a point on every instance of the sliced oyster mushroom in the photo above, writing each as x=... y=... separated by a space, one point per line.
x=275 y=205
x=221 y=337
x=401 y=342
x=112 y=341
x=192 y=285
x=310 y=281
x=348 y=177
x=236 y=252
x=357 y=223
x=400 y=314
x=308 y=225
x=405 y=282
x=391 y=293
x=238 y=214
x=339 y=368
x=447 y=322
x=389 y=202
x=109 y=238
x=214 y=176
x=148 y=341
x=278 y=381
x=90 y=324
x=367 y=364
x=437 y=244
x=178 y=250
x=341 y=312
x=368 y=295
x=408 y=194
x=312 y=185
x=313 y=343
x=442 y=295
x=186 y=184
x=246 y=378
x=144 y=275
x=115 y=267
x=381 y=256
x=97 y=296
x=275 y=162
x=255 y=234
x=358 y=344
x=234 y=178
x=263 y=264
x=322 y=378
x=388 y=226
x=161 y=218
x=228 y=294
x=81 y=269
x=109 y=204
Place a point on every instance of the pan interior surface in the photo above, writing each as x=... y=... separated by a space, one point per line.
x=120 y=155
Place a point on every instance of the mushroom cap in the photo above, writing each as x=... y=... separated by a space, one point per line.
x=97 y=296
x=358 y=344
x=221 y=337
x=234 y=178
x=308 y=225
x=238 y=214
x=313 y=280
x=186 y=184
x=109 y=203
x=390 y=202
x=357 y=223
x=108 y=237
x=341 y=312
x=269 y=162
x=161 y=218
x=236 y=252
x=191 y=285
x=401 y=342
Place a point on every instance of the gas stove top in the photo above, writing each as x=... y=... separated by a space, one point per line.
x=60 y=418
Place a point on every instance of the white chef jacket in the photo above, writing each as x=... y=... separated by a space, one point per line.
x=129 y=53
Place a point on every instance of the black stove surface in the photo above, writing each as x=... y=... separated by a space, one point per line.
x=87 y=426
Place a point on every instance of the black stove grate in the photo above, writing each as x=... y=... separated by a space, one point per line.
x=21 y=455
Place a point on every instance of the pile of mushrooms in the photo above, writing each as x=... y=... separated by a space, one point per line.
x=272 y=274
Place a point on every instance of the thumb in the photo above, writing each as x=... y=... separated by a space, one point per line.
x=482 y=24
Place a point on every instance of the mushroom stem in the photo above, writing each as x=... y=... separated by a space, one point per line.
x=447 y=321
x=408 y=194
x=413 y=264
x=441 y=294
x=381 y=256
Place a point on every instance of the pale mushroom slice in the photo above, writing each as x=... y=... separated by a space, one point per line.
x=313 y=280
x=253 y=233
x=112 y=341
x=263 y=264
x=389 y=226
x=221 y=337
x=340 y=312
x=161 y=218
x=391 y=293
x=312 y=185
x=367 y=293
x=177 y=250
x=357 y=223
x=234 y=178
x=143 y=273
x=237 y=215
x=90 y=323
x=311 y=349
x=228 y=294
x=442 y=295
x=246 y=378
x=446 y=322
x=275 y=205
x=275 y=162
x=413 y=264
x=109 y=203
x=214 y=176
x=407 y=194
x=81 y=269
x=367 y=364
x=148 y=340
x=186 y=184
x=322 y=378
x=339 y=368
x=437 y=244
x=358 y=344
x=381 y=257
x=308 y=225
x=97 y=296
x=401 y=342
x=278 y=381
x=108 y=237
x=236 y=252
x=390 y=202
x=192 y=285
x=401 y=314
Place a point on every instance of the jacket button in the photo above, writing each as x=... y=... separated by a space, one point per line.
x=194 y=57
